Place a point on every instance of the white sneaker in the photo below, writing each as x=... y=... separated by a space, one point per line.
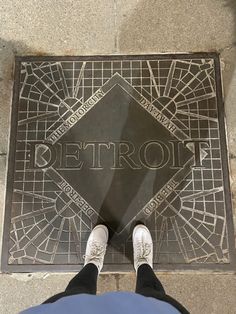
x=143 y=246
x=96 y=246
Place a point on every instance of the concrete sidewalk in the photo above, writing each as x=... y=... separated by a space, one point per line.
x=200 y=293
x=118 y=27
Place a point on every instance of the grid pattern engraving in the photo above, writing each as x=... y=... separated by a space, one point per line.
x=95 y=106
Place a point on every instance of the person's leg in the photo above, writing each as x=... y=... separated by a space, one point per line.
x=86 y=280
x=147 y=281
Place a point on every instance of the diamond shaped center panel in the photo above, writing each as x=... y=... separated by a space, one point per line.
x=118 y=140
x=118 y=157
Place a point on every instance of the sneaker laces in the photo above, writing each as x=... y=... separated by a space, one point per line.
x=143 y=251
x=97 y=251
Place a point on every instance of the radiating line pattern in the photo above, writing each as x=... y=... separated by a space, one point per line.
x=47 y=227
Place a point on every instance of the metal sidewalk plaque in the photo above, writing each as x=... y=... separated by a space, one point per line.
x=118 y=139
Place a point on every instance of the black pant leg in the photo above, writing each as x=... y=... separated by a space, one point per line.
x=84 y=282
x=147 y=281
x=149 y=285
